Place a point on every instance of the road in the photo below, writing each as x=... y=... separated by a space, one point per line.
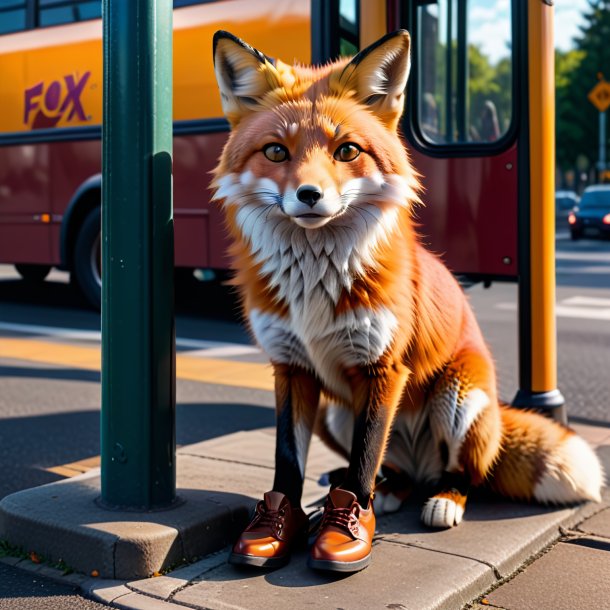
x=49 y=412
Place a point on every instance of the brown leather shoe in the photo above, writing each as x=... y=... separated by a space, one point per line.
x=270 y=536
x=346 y=535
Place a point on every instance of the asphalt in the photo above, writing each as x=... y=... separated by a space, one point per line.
x=504 y=555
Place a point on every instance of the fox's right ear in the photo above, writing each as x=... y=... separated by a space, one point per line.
x=244 y=76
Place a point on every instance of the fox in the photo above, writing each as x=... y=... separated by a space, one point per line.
x=373 y=343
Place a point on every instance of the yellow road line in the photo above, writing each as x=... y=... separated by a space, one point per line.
x=207 y=370
x=74 y=468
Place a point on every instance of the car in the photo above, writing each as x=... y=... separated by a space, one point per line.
x=565 y=201
x=591 y=217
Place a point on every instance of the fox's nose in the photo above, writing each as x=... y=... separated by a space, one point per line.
x=309 y=194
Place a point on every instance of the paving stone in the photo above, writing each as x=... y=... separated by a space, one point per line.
x=594 y=435
x=257 y=447
x=136 y=601
x=165 y=586
x=106 y=592
x=400 y=577
x=598 y=525
x=501 y=534
x=571 y=576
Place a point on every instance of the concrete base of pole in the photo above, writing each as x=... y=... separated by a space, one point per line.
x=64 y=521
x=551 y=404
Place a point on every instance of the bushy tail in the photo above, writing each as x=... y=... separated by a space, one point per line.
x=545 y=461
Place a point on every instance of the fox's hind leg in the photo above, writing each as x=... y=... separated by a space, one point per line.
x=465 y=423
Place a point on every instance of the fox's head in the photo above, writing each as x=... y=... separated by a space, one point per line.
x=313 y=147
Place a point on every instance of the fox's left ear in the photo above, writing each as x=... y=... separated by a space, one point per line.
x=244 y=76
x=378 y=76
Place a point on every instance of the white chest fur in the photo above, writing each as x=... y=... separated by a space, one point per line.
x=311 y=268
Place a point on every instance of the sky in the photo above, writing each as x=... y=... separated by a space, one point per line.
x=568 y=16
x=489 y=24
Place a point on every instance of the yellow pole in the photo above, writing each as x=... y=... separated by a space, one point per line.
x=542 y=195
x=373 y=21
x=538 y=350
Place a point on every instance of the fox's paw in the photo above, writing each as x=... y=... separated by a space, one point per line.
x=386 y=503
x=442 y=511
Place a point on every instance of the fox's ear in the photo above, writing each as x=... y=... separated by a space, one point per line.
x=378 y=76
x=244 y=76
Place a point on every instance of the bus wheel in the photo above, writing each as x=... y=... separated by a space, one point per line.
x=33 y=273
x=87 y=261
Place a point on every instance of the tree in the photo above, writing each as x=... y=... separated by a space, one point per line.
x=576 y=74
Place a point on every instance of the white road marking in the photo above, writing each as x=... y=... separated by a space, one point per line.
x=588 y=308
x=583 y=256
x=201 y=348
x=587 y=301
x=582 y=312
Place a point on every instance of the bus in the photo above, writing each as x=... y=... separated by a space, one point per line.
x=479 y=124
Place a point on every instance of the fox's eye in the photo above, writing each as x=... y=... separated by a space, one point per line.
x=276 y=152
x=347 y=152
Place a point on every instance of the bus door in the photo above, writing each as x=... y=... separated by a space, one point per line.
x=479 y=125
x=462 y=130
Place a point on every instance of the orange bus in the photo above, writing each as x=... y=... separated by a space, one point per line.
x=50 y=126
x=478 y=122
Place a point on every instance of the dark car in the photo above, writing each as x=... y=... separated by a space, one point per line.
x=591 y=217
x=565 y=201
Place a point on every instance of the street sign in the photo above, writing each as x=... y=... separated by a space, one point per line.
x=599 y=96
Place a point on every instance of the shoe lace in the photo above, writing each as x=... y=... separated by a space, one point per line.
x=343 y=518
x=268 y=517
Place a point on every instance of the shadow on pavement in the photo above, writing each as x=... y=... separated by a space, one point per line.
x=62 y=374
x=30 y=445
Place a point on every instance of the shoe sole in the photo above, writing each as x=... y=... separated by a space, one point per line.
x=259 y=562
x=327 y=565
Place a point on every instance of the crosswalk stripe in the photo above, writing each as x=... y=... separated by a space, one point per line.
x=210 y=370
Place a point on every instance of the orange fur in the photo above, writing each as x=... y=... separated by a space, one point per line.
x=426 y=352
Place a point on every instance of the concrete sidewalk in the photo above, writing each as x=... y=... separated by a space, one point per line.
x=413 y=567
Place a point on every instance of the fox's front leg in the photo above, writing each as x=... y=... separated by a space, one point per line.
x=297 y=395
x=465 y=422
x=346 y=534
x=279 y=521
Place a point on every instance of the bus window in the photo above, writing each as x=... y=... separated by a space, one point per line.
x=12 y=16
x=349 y=39
x=181 y=3
x=465 y=66
x=56 y=12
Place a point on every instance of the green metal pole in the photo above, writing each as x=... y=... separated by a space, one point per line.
x=138 y=333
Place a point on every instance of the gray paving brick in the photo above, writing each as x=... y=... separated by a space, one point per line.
x=400 y=577
x=571 y=576
x=599 y=524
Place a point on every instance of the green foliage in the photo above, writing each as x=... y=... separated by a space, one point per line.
x=576 y=74
x=9 y=550
x=487 y=82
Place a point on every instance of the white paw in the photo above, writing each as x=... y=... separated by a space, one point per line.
x=441 y=512
x=386 y=503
